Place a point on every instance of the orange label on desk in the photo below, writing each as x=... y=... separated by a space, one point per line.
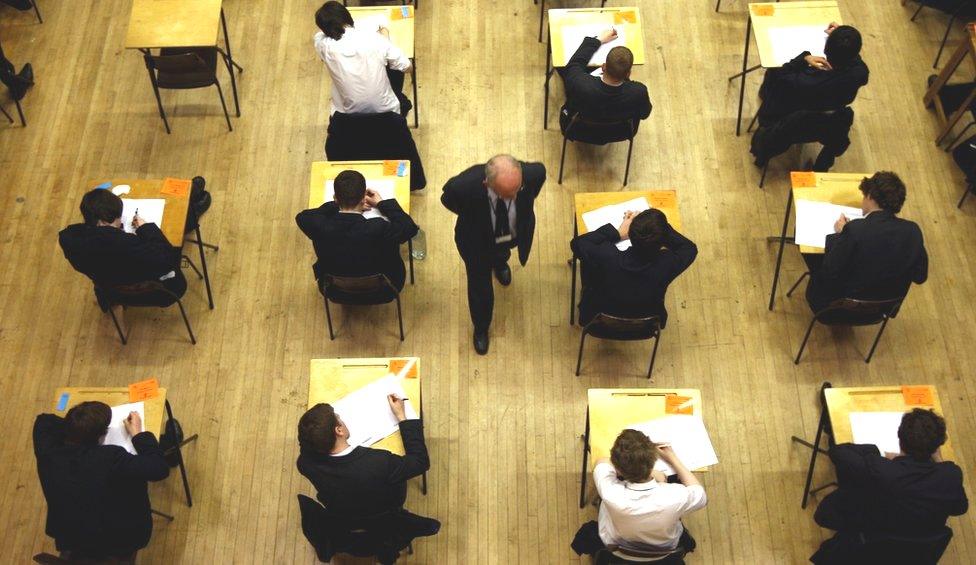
x=397 y=365
x=175 y=187
x=144 y=390
x=390 y=168
x=625 y=17
x=401 y=13
x=763 y=10
x=917 y=395
x=803 y=179
x=674 y=404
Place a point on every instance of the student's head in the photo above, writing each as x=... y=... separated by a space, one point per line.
x=843 y=46
x=100 y=205
x=885 y=190
x=647 y=230
x=503 y=175
x=350 y=189
x=633 y=456
x=921 y=433
x=86 y=423
x=619 y=62
x=332 y=18
x=319 y=428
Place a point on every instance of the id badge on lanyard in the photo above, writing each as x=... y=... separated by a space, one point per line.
x=503 y=238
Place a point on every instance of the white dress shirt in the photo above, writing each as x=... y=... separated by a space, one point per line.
x=649 y=514
x=357 y=63
x=510 y=204
x=344 y=452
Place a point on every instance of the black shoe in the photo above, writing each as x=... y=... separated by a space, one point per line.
x=504 y=275
x=481 y=342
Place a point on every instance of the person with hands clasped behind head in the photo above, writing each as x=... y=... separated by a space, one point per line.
x=97 y=496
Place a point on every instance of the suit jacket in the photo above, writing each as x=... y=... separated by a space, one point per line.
x=874 y=258
x=595 y=99
x=367 y=481
x=363 y=137
x=623 y=283
x=798 y=86
x=97 y=500
x=467 y=196
x=897 y=496
x=831 y=129
x=351 y=245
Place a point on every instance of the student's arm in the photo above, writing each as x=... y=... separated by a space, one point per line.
x=683 y=251
x=533 y=177
x=149 y=464
x=401 y=226
x=48 y=433
x=920 y=273
x=310 y=221
x=395 y=58
x=855 y=463
x=961 y=504
x=577 y=67
x=644 y=109
x=415 y=461
x=451 y=198
x=686 y=477
x=608 y=486
x=838 y=251
x=152 y=252
x=596 y=246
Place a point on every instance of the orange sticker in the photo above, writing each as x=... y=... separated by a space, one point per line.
x=625 y=17
x=390 y=168
x=763 y=9
x=917 y=395
x=144 y=390
x=397 y=365
x=674 y=404
x=401 y=12
x=175 y=187
x=803 y=179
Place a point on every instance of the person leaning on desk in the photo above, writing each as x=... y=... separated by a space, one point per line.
x=97 y=497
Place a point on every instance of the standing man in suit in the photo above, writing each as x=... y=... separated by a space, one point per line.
x=874 y=258
x=631 y=283
x=348 y=244
x=97 y=497
x=494 y=207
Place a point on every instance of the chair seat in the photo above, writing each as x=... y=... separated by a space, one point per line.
x=205 y=76
x=953 y=95
x=621 y=335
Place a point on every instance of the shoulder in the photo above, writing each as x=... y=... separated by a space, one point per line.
x=533 y=172
x=470 y=178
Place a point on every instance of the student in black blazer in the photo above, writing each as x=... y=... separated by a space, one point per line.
x=911 y=493
x=874 y=258
x=97 y=497
x=494 y=207
x=631 y=283
x=348 y=244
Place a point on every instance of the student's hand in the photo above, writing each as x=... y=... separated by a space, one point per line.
x=659 y=476
x=667 y=454
x=372 y=198
x=133 y=423
x=840 y=223
x=384 y=32
x=818 y=62
x=831 y=27
x=624 y=228
x=137 y=222
x=607 y=36
x=396 y=404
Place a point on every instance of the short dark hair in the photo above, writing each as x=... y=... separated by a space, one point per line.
x=619 y=62
x=843 y=46
x=316 y=428
x=885 y=188
x=633 y=456
x=921 y=433
x=332 y=18
x=87 y=422
x=350 y=188
x=100 y=205
x=647 y=230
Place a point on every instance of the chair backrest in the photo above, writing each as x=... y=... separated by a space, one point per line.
x=179 y=64
x=363 y=536
x=590 y=130
x=314 y=526
x=370 y=289
x=924 y=549
x=856 y=312
x=605 y=326
x=613 y=555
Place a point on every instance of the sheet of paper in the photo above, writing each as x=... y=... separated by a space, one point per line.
x=150 y=210
x=790 y=41
x=116 y=429
x=814 y=220
x=366 y=411
x=384 y=186
x=878 y=428
x=371 y=22
x=614 y=215
x=573 y=37
x=688 y=438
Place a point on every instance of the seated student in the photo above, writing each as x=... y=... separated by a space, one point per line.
x=631 y=283
x=18 y=83
x=346 y=243
x=909 y=494
x=874 y=258
x=97 y=497
x=367 y=69
x=639 y=508
x=611 y=96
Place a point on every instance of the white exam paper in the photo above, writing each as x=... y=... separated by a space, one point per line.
x=116 y=429
x=877 y=428
x=613 y=214
x=790 y=41
x=815 y=220
x=366 y=411
x=150 y=210
x=385 y=187
x=372 y=22
x=573 y=37
x=688 y=438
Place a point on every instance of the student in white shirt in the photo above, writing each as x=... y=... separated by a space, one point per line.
x=639 y=508
x=367 y=69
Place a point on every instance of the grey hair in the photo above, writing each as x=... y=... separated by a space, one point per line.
x=491 y=167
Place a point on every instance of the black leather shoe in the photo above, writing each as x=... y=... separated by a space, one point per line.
x=481 y=342
x=504 y=275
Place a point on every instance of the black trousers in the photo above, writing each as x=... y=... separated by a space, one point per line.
x=481 y=294
x=397 y=78
x=19 y=4
x=588 y=541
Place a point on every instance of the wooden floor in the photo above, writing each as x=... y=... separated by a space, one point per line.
x=503 y=430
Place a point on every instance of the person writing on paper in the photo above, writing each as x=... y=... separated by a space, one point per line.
x=611 y=96
x=874 y=258
x=639 y=508
x=97 y=496
x=367 y=69
x=631 y=283
x=348 y=244
x=908 y=494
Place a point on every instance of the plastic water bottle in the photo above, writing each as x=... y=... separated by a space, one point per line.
x=420 y=245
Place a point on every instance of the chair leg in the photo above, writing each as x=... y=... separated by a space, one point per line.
x=877 y=338
x=965 y=193
x=562 y=159
x=9 y=118
x=193 y=266
x=20 y=111
x=223 y=104
x=718 y=5
x=399 y=316
x=579 y=358
x=159 y=101
x=762 y=179
x=118 y=328
x=805 y=338
x=542 y=15
x=328 y=317
x=945 y=38
x=186 y=321
x=650 y=369
x=958 y=137
x=630 y=150
x=915 y=15
x=203 y=263
x=797 y=283
x=37 y=12
x=753 y=122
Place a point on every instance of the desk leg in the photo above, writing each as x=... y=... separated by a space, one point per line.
x=416 y=101
x=179 y=456
x=410 y=257
x=815 y=446
x=549 y=70
x=586 y=452
x=230 y=59
x=742 y=84
x=542 y=14
x=782 y=244
x=423 y=478
x=572 y=282
x=161 y=514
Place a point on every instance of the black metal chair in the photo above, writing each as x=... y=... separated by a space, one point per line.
x=20 y=111
x=369 y=290
x=330 y=535
x=964 y=155
x=596 y=132
x=185 y=69
x=956 y=9
x=614 y=555
x=139 y=295
x=851 y=312
x=605 y=326
x=65 y=558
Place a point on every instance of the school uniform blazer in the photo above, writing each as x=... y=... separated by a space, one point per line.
x=467 y=196
x=97 y=497
x=595 y=99
x=798 y=86
x=110 y=256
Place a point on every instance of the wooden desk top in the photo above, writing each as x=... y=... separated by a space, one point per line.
x=173 y=23
x=664 y=200
x=611 y=410
x=619 y=17
x=401 y=30
x=836 y=188
x=174 y=213
x=372 y=170
x=331 y=379
x=766 y=16
x=155 y=407
x=842 y=401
